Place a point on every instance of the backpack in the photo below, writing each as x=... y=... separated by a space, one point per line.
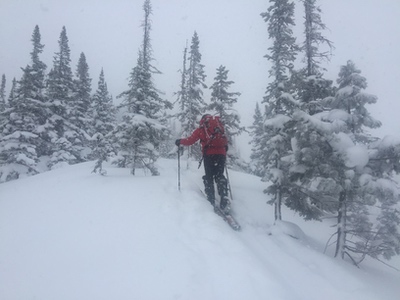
x=215 y=132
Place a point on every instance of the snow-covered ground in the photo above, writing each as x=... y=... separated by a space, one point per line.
x=70 y=234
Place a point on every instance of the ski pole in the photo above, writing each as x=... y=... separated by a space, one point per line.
x=229 y=182
x=179 y=169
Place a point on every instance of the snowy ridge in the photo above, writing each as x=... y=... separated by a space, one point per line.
x=71 y=234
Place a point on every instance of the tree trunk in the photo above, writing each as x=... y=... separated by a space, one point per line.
x=278 y=195
x=278 y=205
x=341 y=230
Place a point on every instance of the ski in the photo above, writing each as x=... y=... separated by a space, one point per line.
x=227 y=217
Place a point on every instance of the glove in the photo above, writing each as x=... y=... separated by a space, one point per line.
x=178 y=142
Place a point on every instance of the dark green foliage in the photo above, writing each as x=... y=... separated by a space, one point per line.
x=103 y=123
x=279 y=103
x=81 y=113
x=143 y=124
x=3 y=93
x=24 y=130
x=222 y=101
x=257 y=131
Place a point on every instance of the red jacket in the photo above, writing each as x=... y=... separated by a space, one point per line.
x=208 y=145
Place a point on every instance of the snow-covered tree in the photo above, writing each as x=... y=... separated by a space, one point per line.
x=310 y=167
x=222 y=101
x=279 y=103
x=104 y=120
x=3 y=93
x=182 y=94
x=60 y=93
x=60 y=85
x=365 y=185
x=352 y=99
x=2 y=103
x=81 y=113
x=142 y=129
x=103 y=108
x=24 y=132
x=11 y=96
x=195 y=85
x=309 y=85
x=314 y=39
x=338 y=169
x=257 y=131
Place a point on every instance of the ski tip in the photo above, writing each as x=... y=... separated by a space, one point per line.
x=237 y=228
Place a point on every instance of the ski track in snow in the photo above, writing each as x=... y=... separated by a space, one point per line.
x=71 y=234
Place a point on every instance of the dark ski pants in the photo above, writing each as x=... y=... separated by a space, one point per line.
x=214 y=166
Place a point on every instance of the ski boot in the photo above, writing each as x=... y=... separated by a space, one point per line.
x=225 y=205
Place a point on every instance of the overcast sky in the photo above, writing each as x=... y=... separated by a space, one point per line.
x=231 y=33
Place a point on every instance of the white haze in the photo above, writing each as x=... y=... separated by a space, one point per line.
x=231 y=33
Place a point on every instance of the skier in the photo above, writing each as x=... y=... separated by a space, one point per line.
x=214 y=145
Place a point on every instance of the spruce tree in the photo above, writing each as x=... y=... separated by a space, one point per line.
x=182 y=95
x=222 y=101
x=356 y=196
x=314 y=39
x=60 y=82
x=81 y=113
x=103 y=108
x=103 y=124
x=351 y=98
x=279 y=103
x=24 y=133
x=195 y=85
x=142 y=127
x=60 y=93
x=309 y=84
x=11 y=96
x=3 y=93
x=256 y=132
x=81 y=110
x=3 y=103
x=311 y=149
x=349 y=174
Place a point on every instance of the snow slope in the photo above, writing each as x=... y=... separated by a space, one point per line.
x=71 y=234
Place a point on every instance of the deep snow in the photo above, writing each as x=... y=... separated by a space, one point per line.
x=71 y=234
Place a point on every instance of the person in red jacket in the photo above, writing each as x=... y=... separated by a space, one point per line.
x=214 y=145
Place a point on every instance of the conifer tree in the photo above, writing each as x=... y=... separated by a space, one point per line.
x=354 y=176
x=309 y=84
x=311 y=148
x=142 y=129
x=195 y=85
x=24 y=131
x=355 y=198
x=182 y=95
x=103 y=124
x=60 y=93
x=60 y=82
x=103 y=108
x=256 y=132
x=81 y=113
x=222 y=101
x=279 y=103
x=11 y=96
x=314 y=39
x=351 y=98
x=81 y=107
x=3 y=93
x=3 y=103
